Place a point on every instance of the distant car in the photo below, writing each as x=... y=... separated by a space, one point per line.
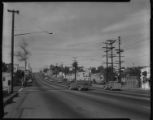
x=113 y=85
x=51 y=80
x=29 y=82
x=46 y=78
x=80 y=85
x=107 y=87
x=60 y=81
x=73 y=86
x=102 y=83
x=68 y=83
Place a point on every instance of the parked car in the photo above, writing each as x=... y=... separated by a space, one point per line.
x=80 y=85
x=29 y=82
x=46 y=78
x=113 y=85
x=73 y=86
x=60 y=80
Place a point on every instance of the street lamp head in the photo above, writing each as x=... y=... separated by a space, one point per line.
x=14 y=11
x=48 y=32
x=17 y=11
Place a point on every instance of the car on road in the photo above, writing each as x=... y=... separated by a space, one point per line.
x=113 y=85
x=73 y=86
x=80 y=85
x=46 y=78
x=29 y=82
x=60 y=81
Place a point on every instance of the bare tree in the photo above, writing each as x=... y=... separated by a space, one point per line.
x=23 y=55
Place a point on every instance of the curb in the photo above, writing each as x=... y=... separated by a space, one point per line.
x=9 y=99
x=124 y=89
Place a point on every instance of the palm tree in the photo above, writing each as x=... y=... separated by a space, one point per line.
x=75 y=66
x=66 y=70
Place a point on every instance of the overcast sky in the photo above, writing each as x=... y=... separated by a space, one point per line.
x=78 y=31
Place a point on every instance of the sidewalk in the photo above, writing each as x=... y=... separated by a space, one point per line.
x=138 y=90
x=8 y=98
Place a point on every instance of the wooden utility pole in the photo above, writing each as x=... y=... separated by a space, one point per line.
x=56 y=70
x=106 y=50
x=119 y=51
x=12 y=45
x=75 y=66
x=111 y=42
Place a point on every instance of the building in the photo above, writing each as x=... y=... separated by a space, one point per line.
x=145 y=78
x=98 y=77
x=6 y=77
x=60 y=75
x=69 y=77
x=21 y=68
x=8 y=65
x=80 y=75
x=16 y=66
x=130 y=81
x=49 y=72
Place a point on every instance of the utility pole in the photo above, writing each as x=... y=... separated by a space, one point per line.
x=106 y=60
x=119 y=51
x=56 y=70
x=75 y=66
x=111 y=42
x=12 y=45
x=25 y=72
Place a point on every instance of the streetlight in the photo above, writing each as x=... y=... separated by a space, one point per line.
x=13 y=50
x=32 y=32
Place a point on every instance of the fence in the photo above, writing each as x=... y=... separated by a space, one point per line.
x=130 y=82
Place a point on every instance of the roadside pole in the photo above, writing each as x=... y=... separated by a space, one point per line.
x=106 y=60
x=111 y=42
x=119 y=51
x=12 y=45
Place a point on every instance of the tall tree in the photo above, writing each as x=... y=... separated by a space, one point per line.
x=45 y=70
x=4 y=67
x=66 y=70
x=93 y=70
x=75 y=66
x=100 y=69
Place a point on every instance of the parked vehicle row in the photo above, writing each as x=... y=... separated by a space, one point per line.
x=83 y=84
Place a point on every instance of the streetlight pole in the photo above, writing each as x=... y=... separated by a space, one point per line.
x=26 y=34
x=32 y=32
x=12 y=46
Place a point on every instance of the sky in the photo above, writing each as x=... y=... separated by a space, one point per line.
x=79 y=30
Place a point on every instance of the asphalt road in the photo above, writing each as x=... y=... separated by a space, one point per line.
x=46 y=99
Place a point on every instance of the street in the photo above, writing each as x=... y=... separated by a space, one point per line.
x=76 y=60
x=46 y=99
